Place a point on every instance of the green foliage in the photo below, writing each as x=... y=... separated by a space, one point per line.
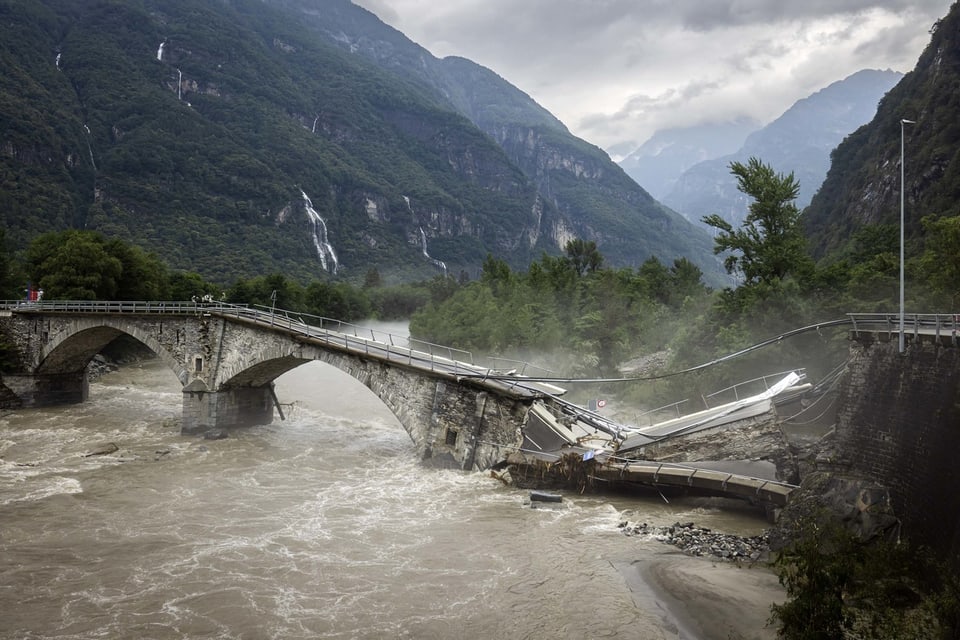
x=183 y=285
x=842 y=587
x=398 y=302
x=339 y=301
x=8 y=286
x=83 y=265
x=592 y=318
x=940 y=261
x=770 y=243
x=201 y=156
x=74 y=265
x=143 y=275
x=583 y=256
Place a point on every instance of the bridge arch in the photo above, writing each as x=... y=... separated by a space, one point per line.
x=227 y=357
x=70 y=351
x=408 y=398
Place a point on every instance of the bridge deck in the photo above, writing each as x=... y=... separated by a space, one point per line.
x=568 y=431
x=437 y=360
x=551 y=445
x=616 y=471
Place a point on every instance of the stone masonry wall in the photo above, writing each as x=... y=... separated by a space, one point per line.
x=899 y=425
x=446 y=420
x=227 y=367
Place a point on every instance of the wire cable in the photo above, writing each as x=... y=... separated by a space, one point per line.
x=661 y=376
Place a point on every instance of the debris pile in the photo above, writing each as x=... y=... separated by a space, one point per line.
x=700 y=541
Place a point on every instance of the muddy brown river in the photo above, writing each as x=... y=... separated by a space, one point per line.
x=320 y=526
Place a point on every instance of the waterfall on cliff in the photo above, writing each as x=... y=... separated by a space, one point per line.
x=160 y=51
x=89 y=148
x=323 y=246
x=57 y=62
x=439 y=264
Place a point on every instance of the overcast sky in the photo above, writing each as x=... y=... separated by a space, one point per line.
x=615 y=71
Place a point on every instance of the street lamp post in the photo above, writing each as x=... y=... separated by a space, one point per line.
x=902 y=185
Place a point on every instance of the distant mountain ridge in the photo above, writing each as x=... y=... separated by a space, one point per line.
x=660 y=161
x=799 y=141
x=296 y=136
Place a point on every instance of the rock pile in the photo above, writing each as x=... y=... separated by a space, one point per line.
x=99 y=367
x=700 y=541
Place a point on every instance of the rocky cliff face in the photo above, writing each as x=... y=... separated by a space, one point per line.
x=863 y=184
x=582 y=192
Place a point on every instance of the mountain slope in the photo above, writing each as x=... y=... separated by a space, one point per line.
x=201 y=150
x=247 y=137
x=593 y=196
x=799 y=141
x=863 y=185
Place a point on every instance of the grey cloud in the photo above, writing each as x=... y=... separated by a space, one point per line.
x=702 y=16
x=539 y=18
x=620 y=69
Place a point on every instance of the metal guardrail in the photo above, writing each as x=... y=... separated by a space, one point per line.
x=375 y=335
x=140 y=306
x=936 y=324
x=332 y=332
x=752 y=383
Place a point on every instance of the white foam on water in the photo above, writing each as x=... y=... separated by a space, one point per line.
x=323 y=525
x=49 y=486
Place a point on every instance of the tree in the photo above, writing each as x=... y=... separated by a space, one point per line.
x=656 y=278
x=6 y=286
x=840 y=585
x=372 y=279
x=143 y=275
x=74 y=265
x=686 y=279
x=940 y=261
x=583 y=256
x=186 y=285
x=339 y=301
x=496 y=274
x=770 y=244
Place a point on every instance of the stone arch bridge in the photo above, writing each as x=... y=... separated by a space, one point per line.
x=227 y=356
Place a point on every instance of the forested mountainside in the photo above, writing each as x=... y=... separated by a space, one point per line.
x=594 y=198
x=245 y=137
x=862 y=187
x=798 y=142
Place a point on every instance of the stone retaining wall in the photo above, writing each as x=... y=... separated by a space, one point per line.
x=899 y=425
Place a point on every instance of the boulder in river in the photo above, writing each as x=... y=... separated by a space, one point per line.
x=102 y=450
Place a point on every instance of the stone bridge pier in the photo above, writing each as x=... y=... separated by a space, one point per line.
x=227 y=366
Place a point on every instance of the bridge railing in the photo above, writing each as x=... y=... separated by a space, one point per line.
x=399 y=347
x=365 y=337
x=510 y=366
x=748 y=388
x=936 y=324
x=187 y=307
x=648 y=416
x=351 y=337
